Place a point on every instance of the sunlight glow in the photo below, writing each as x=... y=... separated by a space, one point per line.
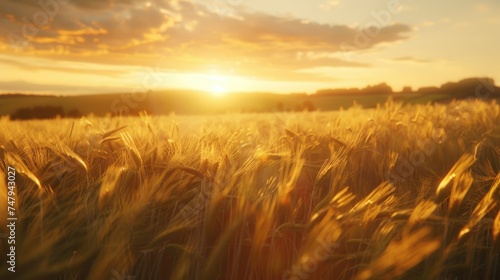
x=218 y=90
x=218 y=85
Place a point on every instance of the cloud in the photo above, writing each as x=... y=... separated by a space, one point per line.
x=412 y=59
x=329 y=5
x=73 y=67
x=27 y=87
x=181 y=35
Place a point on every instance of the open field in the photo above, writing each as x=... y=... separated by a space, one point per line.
x=388 y=193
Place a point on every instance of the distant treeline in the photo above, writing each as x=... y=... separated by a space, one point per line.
x=44 y=112
x=471 y=87
x=379 y=89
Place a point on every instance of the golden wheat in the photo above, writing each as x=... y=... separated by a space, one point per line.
x=389 y=192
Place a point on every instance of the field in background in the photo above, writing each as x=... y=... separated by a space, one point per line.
x=189 y=102
x=393 y=192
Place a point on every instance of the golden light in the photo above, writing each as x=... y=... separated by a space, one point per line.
x=218 y=85
x=218 y=90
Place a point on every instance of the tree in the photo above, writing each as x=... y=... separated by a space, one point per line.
x=38 y=112
x=74 y=113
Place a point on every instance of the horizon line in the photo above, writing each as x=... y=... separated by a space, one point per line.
x=207 y=91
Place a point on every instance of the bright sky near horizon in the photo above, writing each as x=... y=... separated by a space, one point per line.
x=94 y=46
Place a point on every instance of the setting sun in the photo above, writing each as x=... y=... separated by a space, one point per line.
x=218 y=85
x=218 y=90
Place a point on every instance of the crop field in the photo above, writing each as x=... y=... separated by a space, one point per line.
x=394 y=192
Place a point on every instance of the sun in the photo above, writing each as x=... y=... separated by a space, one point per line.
x=218 y=85
x=218 y=90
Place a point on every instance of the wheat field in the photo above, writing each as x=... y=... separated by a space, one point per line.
x=395 y=192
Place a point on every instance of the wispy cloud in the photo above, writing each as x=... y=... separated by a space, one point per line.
x=38 y=88
x=412 y=59
x=329 y=5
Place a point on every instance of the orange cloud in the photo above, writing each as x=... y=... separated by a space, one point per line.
x=183 y=36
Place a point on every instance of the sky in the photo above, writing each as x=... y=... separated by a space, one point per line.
x=284 y=46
